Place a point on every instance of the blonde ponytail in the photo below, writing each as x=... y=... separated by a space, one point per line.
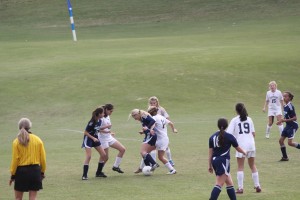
x=23 y=137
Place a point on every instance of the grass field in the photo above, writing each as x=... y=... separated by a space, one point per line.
x=199 y=57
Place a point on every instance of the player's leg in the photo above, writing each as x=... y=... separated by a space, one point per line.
x=220 y=180
x=18 y=195
x=145 y=150
x=269 y=125
x=32 y=195
x=282 y=147
x=230 y=188
x=117 y=145
x=280 y=126
x=169 y=156
x=255 y=176
x=167 y=164
x=102 y=160
x=88 y=155
x=240 y=173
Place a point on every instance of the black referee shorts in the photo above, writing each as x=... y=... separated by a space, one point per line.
x=28 y=178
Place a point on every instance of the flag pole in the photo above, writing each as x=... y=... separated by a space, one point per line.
x=72 y=20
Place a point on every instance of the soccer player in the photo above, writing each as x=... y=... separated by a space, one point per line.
x=148 y=145
x=90 y=140
x=242 y=128
x=28 y=163
x=107 y=139
x=274 y=102
x=290 y=118
x=219 y=159
x=162 y=137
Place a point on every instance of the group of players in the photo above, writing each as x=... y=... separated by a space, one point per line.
x=154 y=122
x=240 y=134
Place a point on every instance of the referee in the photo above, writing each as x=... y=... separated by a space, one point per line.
x=28 y=163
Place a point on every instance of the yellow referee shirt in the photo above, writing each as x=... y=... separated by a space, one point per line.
x=32 y=154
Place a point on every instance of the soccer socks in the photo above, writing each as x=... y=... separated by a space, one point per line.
x=240 y=179
x=268 y=129
x=231 y=192
x=215 y=192
x=85 y=170
x=297 y=146
x=153 y=154
x=168 y=154
x=280 y=127
x=100 y=167
x=117 y=162
x=255 y=179
x=169 y=166
x=283 y=151
x=149 y=160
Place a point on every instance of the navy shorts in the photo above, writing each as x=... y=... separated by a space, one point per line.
x=151 y=140
x=28 y=178
x=289 y=132
x=221 y=166
x=89 y=143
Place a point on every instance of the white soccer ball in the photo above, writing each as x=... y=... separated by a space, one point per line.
x=147 y=171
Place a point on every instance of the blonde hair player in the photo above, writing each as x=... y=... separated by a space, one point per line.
x=274 y=102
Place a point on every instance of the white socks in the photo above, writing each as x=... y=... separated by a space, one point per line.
x=240 y=179
x=117 y=161
x=255 y=178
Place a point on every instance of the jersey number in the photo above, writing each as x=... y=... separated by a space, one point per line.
x=244 y=128
x=273 y=100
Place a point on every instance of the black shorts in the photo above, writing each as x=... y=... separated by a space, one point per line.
x=28 y=178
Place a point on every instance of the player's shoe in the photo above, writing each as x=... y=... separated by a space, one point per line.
x=117 y=169
x=101 y=174
x=84 y=178
x=284 y=159
x=138 y=171
x=172 y=172
x=267 y=135
x=154 y=167
x=239 y=191
x=172 y=163
x=258 y=189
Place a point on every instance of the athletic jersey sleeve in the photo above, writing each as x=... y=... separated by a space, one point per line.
x=231 y=128
x=252 y=129
x=234 y=142
x=90 y=127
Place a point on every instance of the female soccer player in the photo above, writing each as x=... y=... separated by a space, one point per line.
x=28 y=163
x=219 y=159
x=242 y=128
x=162 y=136
x=274 y=102
x=148 y=145
x=290 y=118
x=106 y=137
x=90 y=140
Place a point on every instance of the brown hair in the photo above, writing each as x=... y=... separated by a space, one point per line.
x=222 y=125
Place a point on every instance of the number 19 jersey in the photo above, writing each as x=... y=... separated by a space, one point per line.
x=242 y=131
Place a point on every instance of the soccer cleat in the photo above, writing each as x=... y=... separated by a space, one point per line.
x=239 y=191
x=172 y=163
x=138 y=171
x=84 y=178
x=258 y=189
x=267 y=135
x=284 y=159
x=101 y=174
x=172 y=172
x=117 y=169
x=154 y=167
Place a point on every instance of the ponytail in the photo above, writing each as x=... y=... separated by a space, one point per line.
x=222 y=125
x=96 y=113
x=242 y=111
x=23 y=137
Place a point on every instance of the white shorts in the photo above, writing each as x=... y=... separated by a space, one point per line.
x=274 y=112
x=107 y=141
x=162 y=145
x=250 y=154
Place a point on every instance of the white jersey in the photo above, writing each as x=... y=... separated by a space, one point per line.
x=104 y=122
x=242 y=131
x=274 y=99
x=161 y=111
x=160 y=128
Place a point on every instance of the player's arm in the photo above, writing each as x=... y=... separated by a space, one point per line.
x=210 y=168
x=171 y=124
x=265 y=105
x=90 y=136
x=239 y=149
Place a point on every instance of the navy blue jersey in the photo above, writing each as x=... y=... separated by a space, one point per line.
x=147 y=121
x=224 y=151
x=93 y=128
x=289 y=112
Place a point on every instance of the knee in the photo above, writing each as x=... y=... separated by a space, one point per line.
x=122 y=150
x=290 y=143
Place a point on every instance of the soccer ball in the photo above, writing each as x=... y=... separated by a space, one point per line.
x=147 y=171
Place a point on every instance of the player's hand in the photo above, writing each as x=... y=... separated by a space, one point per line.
x=112 y=134
x=210 y=170
x=96 y=139
x=141 y=132
x=43 y=175
x=279 y=122
x=151 y=132
x=264 y=109
x=175 y=130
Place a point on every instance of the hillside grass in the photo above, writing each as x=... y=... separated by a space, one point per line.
x=198 y=57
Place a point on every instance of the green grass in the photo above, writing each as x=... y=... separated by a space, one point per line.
x=198 y=57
